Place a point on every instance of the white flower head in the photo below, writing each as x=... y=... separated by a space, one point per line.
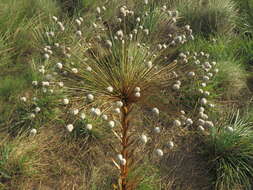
x=201 y=128
x=61 y=84
x=157 y=130
x=90 y=97
x=78 y=22
x=33 y=132
x=155 y=111
x=119 y=103
x=171 y=144
x=79 y=33
x=145 y=2
x=104 y=117
x=70 y=127
x=159 y=152
x=230 y=129
x=123 y=161
x=32 y=115
x=109 y=89
x=98 y=10
x=89 y=68
x=89 y=126
x=74 y=70
x=55 y=18
x=177 y=123
x=144 y=139
x=23 y=99
x=59 y=65
x=65 y=101
x=75 y=111
x=149 y=64
x=137 y=94
x=189 y=121
x=35 y=83
x=82 y=115
x=37 y=110
x=109 y=43
x=137 y=89
x=119 y=156
x=111 y=124
x=176 y=87
x=117 y=110
x=203 y=101
x=191 y=74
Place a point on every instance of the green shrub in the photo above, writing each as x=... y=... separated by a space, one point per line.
x=229 y=150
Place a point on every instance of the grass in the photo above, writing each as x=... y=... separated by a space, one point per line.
x=229 y=153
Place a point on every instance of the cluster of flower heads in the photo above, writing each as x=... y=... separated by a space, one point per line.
x=97 y=84
x=201 y=76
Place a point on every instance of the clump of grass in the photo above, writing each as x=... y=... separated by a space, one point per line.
x=229 y=151
x=19 y=161
x=207 y=17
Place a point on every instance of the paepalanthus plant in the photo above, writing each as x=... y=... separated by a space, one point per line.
x=104 y=76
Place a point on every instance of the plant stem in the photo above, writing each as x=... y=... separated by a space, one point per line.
x=125 y=138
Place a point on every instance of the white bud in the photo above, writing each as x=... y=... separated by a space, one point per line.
x=189 y=121
x=201 y=109
x=119 y=103
x=46 y=56
x=37 y=109
x=111 y=124
x=23 y=99
x=203 y=101
x=74 y=70
x=144 y=139
x=45 y=83
x=117 y=110
x=98 y=10
x=110 y=89
x=89 y=126
x=176 y=87
x=137 y=89
x=191 y=74
x=137 y=94
x=206 y=93
x=89 y=69
x=79 y=33
x=203 y=84
x=171 y=145
x=32 y=115
x=119 y=157
x=149 y=64
x=82 y=116
x=90 y=97
x=230 y=129
x=78 y=22
x=35 y=83
x=159 y=152
x=75 y=111
x=138 y=19
x=201 y=128
x=104 y=117
x=33 y=132
x=123 y=161
x=209 y=124
x=61 y=84
x=65 y=101
x=109 y=43
x=55 y=18
x=177 y=123
x=155 y=111
x=157 y=130
x=70 y=127
x=59 y=65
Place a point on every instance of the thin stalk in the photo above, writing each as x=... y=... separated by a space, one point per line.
x=124 y=169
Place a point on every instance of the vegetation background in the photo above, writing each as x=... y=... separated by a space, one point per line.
x=224 y=29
